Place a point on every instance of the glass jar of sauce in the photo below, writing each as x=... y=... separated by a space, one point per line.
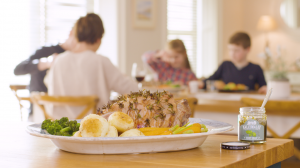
x=252 y=125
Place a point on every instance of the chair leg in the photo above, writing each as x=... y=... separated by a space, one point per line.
x=273 y=133
x=21 y=111
x=291 y=131
x=297 y=153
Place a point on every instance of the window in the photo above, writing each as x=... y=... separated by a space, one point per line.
x=182 y=24
x=25 y=26
x=59 y=16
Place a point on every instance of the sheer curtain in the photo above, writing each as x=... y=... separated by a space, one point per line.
x=182 y=24
x=16 y=44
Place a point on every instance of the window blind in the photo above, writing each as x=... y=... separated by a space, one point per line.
x=59 y=17
x=182 y=24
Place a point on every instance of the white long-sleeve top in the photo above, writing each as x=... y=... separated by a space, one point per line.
x=84 y=74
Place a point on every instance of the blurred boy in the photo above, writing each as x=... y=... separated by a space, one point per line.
x=239 y=69
x=37 y=68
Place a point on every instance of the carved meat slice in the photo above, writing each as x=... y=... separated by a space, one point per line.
x=147 y=109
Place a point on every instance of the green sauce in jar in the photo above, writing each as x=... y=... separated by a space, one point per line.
x=252 y=125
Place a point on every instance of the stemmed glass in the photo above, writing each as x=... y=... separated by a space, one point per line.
x=138 y=72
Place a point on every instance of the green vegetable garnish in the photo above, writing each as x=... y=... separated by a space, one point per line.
x=62 y=127
x=174 y=128
x=67 y=129
x=188 y=132
x=54 y=127
x=186 y=124
x=64 y=122
x=46 y=123
x=204 y=129
x=181 y=129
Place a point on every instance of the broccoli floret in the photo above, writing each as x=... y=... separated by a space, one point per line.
x=63 y=134
x=73 y=133
x=74 y=125
x=62 y=127
x=67 y=129
x=64 y=122
x=46 y=123
x=77 y=126
x=54 y=128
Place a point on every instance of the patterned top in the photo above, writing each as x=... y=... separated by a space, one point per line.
x=166 y=72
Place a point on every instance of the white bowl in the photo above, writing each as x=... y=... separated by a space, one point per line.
x=128 y=145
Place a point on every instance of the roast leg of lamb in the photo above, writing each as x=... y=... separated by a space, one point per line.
x=158 y=109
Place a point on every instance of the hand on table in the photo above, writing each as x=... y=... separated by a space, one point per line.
x=263 y=89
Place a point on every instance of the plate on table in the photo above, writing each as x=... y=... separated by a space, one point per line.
x=129 y=145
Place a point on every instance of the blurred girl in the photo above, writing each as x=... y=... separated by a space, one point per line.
x=171 y=64
x=82 y=72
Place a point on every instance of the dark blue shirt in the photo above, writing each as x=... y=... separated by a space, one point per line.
x=30 y=66
x=249 y=75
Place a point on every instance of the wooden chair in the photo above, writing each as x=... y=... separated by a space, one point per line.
x=192 y=103
x=277 y=105
x=15 y=89
x=41 y=99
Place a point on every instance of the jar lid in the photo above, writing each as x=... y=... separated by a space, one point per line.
x=252 y=110
x=235 y=145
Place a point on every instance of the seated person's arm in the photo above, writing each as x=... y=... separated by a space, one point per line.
x=118 y=81
x=33 y=63
x=217 y=75
x=261 y=81
x=153 y=59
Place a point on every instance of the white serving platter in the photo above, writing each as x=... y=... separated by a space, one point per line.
x=129 y=145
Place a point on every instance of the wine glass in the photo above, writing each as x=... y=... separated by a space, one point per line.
x=138 y=72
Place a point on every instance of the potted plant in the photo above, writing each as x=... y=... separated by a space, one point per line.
x=279 y=81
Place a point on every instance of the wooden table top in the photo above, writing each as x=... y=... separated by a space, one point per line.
x=19 y=149
x=232 y=105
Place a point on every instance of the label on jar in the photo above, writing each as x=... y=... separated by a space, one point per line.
x=252 y=131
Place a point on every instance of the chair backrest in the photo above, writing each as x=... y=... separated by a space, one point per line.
x=192 y=103
x=273 y=105
x=41 y=99
x=15 y=88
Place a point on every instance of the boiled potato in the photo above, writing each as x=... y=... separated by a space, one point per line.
x=93 y=126
x=121 y=121
x=112 y=132
x=77 y=134
x=132 y=133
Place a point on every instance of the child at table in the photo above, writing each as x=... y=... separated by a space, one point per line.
x=239 y=70
x=171 y=63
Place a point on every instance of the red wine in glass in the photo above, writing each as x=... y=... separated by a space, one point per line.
x=140 y=78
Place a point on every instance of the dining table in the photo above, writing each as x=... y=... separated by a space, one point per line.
x=19 y=149
x=224 y=106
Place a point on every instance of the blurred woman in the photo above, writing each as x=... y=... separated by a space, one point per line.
x=171 y=63
x=82 y=72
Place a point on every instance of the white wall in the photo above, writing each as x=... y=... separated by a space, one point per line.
x=134 y=42
x=107 y=10
x=243 y=15
x=123 y=43
x=210 y=28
